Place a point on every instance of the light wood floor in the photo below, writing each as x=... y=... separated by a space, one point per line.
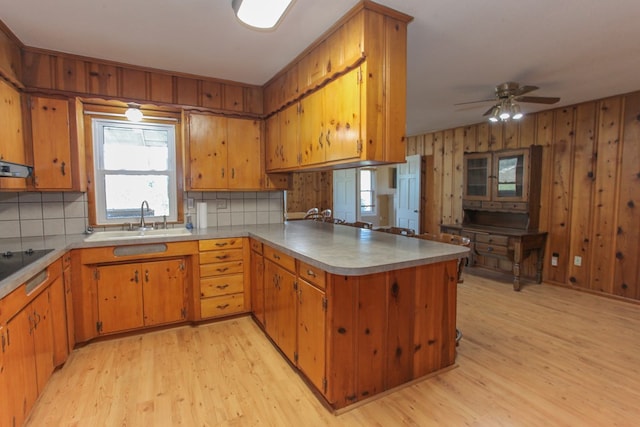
x=543 y=356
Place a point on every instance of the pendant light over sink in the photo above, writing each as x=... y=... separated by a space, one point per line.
x=260 y=14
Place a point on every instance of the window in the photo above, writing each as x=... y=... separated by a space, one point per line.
x=134 y=162
x=367 y=191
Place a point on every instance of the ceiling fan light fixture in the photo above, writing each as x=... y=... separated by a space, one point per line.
x=516 y=114
x=260 y=14
x=504 y=113
x=495 y=114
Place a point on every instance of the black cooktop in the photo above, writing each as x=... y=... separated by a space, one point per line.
x=10 y=262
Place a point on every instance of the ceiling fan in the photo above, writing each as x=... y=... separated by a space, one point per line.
x=507 y=96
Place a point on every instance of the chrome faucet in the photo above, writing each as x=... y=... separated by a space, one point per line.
x=142 y=224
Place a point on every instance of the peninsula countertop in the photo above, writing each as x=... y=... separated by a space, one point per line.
x=337 y=249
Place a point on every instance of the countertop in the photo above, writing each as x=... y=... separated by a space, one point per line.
x=337 y=249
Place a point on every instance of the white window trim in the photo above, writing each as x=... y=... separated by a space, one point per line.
x=98 y=125
x=374 y=209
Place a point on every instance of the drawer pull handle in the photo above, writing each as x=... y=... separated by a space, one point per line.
x=489 y=248
x=223 y=269
x=311 y=273
x=221 y=244
x=223 y=306
x=225 y=286
x=223 y=256
x=276 y=256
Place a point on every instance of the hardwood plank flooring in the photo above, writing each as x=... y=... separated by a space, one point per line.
x=545 y=356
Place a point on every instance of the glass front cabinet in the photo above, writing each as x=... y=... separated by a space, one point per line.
x=503 y=181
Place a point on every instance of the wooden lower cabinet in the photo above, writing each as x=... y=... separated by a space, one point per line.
x=136 y=295
x=354 y=337
x=223 y=276
x=257 y=281
x=33 y=342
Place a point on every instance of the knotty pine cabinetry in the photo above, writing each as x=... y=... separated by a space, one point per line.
x=227 y=154
x=256 y=260
x=56 y=150
x=136 y=295
x=34 y=340
x=12 y=144
x=130 y=287
x=224 y=277
x=357 y=336
x=351 y=87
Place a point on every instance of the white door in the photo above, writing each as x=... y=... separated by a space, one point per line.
x=408 y=209
x=344 y=194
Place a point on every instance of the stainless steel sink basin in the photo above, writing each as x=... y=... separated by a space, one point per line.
x=101 y=236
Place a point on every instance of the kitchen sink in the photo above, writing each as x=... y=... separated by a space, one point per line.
x=101 y=236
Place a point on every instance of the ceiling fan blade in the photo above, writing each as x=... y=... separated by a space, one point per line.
x=537 y=99
x=489 y=110
x=476 y=102
x=524 y=89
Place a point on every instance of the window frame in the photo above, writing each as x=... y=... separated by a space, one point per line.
x=373 y=186
x=153 y=119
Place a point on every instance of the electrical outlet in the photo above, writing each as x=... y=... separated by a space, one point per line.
x=577 y=261
x=190 y=203
x=221 y=203
x=554 y=259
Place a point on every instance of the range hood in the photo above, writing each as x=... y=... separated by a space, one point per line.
x=15 y=170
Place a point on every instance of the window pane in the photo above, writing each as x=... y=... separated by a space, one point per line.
x=135 y=149
x=365 y=180
x=126 y=204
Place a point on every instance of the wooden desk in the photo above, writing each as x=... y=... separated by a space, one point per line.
x=504 y=243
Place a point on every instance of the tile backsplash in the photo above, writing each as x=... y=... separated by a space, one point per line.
x=33 y=214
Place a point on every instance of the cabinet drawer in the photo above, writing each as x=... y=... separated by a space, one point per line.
x=221 y=256
x=468 y=234
x=492 y=238
x=491 y=205
x=221 y=285
x=216 y=244
x=471 y=204
x=280 y=258
x=516 y=206
x=219 y=268
x=221 y=306
x=256 y=246
x=312 y=274
x=491 y=250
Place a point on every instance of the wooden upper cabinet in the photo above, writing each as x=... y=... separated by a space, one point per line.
x=342 y=117
x=207 y=148
x=11 y=133
x=282 y=144
x=313 y=131
x=244 y=154
x=224 y=153
x=51 y=143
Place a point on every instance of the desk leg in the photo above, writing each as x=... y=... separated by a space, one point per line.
x=539 y=264
x=517 y=258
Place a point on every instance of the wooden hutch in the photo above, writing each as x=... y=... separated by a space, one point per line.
x=501 y=204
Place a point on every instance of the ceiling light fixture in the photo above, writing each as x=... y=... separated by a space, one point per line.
x=505 y=110
x=133 y=113
x=495 y=114
x=260 y=14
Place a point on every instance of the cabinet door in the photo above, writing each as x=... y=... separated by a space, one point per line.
x=289 y=136
x=257 y=286
x=119 y=297
x=244 y=154
x=163 y=292
x=43 y=337
x=20 y=363
x=59 y=321
x=207 y=152
x=510 y=176
x=280 y=307
x=68 y=302
x=312 y=128
x=51 y=139
x=11 y=134
x=342 y=117
x=5 y=410
x=477 y=171
x=272 y=144
x=311 y=333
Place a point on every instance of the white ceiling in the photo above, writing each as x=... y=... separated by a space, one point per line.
x=458 y=50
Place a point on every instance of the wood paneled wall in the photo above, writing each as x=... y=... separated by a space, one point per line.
x=310 y=190
x=590 y=203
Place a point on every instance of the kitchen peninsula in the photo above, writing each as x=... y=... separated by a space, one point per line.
x=357 y=312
